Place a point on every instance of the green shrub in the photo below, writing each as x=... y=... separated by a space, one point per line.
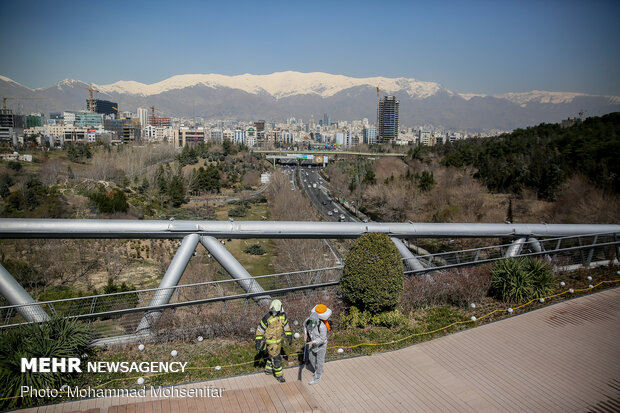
x=389 y=319
x=373 y=274
x=57 y=338
x=109 y=202
x=517 y=280
x=542 y=276
x=354 y=318
x=255 y=249
x=14 y=165
x=238 y=211
x=447 y=213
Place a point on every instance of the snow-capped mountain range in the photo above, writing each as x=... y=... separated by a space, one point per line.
x=280 y=95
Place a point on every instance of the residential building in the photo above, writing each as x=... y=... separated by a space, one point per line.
x=425 y=137
x=143 y=116
x=369 y=135
x=239 y=137
x=152 y=133
x=216 y=135
x=227 y=135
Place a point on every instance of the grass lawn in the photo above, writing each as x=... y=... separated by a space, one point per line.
x=254 y=264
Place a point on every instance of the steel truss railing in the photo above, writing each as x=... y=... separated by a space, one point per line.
x=133 y=304
x=119 y=314
x=563 y=252
x=137 y=312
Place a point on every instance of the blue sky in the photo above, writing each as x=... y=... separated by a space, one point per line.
x=470 y=46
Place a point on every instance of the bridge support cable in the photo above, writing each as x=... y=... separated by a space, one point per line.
x=515 y=248
x=16 y=295
x=235 y=269
x=410 y=260
x=169 y=281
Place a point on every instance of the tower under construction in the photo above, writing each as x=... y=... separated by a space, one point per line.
x=387 y=120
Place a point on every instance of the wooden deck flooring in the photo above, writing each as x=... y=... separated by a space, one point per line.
x=561 y=358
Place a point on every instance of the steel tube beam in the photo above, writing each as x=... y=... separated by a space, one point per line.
x=535 y=244
x=77 y=228
x=16 y=295
x=411 y=262
x=169 y=281
x=235 y=269
x=515 y=248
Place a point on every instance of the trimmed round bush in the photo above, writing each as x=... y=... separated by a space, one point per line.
x=373 y=274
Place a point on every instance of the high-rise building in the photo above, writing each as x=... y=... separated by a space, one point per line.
x=143 y=116
x=104 y=107
x=6 y=118
x=326 y=120
x=370 y=135
x=387 y=122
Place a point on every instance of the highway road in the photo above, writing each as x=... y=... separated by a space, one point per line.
x=318 y=192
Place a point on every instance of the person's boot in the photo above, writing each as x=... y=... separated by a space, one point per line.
x=280 y=379
x=316 y=379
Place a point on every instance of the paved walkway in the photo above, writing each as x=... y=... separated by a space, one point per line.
x=561 y=358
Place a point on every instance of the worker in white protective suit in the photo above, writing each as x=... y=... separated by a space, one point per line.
x=316 y=328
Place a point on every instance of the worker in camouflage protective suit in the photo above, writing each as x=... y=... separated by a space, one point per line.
x=269 y=334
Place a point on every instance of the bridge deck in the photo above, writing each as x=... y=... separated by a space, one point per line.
x=561 y=358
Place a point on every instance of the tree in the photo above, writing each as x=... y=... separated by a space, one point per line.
x=426 y=181
x=14 y=165
x=176 y=191
x=6 y=181
x=109 y=202
x=373 y=274
x=369 y=178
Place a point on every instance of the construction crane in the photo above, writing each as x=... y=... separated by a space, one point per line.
x=118 y=112
x=90 y=89
x=153 y=109
x=4 y=99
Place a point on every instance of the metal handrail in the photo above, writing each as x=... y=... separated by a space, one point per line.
x=531 y=254
x=148 y=309
x=206 y=283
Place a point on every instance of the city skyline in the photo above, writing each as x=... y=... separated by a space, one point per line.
x=468 y=47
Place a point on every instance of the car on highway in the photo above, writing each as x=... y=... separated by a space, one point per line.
x=335 y=210
x=324 y=203
x=330 y=213
x=341 y=217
